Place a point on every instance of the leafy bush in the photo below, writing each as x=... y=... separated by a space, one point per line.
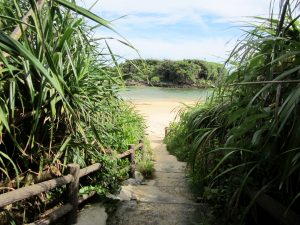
x=155 y=79
x=58 y=96
x=249 y=128
x=144 y=162
x=146 y=168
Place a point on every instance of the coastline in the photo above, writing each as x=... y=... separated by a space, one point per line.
x=133 y=83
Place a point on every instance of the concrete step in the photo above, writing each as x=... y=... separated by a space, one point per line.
x=141 y=213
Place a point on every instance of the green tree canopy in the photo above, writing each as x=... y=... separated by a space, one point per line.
x=178 y=73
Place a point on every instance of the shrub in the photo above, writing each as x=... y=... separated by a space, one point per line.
x=249 y=128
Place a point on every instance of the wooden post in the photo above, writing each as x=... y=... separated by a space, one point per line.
x=132 y=161
x=166 y=131
x=142 y=147
x=72 y=193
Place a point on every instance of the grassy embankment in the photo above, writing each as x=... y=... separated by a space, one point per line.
x=58 y=102
x=246 y=137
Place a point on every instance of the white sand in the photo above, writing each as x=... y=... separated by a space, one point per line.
x=159 y=114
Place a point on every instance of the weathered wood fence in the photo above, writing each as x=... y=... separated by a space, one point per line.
x=72 y=182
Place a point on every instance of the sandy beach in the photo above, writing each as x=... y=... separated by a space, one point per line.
x=158 y=114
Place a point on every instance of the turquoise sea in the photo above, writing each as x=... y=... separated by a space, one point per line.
x=169 y=94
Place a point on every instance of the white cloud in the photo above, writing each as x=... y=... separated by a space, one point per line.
x=162 y=19
x=214 y=49
x=144 y=16
x=220 y=8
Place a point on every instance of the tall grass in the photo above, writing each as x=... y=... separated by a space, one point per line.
x=58 y=95
x=245 y=138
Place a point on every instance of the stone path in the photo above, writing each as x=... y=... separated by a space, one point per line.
x=165 y=200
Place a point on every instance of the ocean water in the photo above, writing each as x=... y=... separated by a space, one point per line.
x=167 y=94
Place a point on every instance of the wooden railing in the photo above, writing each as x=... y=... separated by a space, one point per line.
x=72 y=182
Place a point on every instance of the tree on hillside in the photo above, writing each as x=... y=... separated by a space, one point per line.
x=181 y=72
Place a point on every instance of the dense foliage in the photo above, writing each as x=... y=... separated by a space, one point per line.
x=196 y=73
x=244 y=140
x=58 y=98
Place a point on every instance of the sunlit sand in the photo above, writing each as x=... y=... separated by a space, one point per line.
x=158 y=114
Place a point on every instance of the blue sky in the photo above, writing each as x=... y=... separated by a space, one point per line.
x=176 y=29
